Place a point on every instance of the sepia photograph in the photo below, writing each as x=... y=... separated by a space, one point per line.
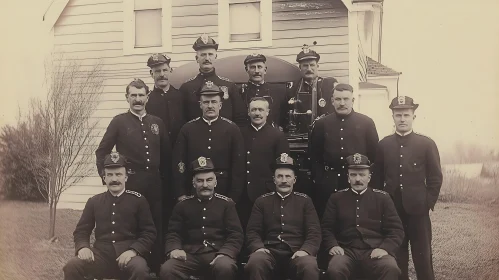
x=249 y=140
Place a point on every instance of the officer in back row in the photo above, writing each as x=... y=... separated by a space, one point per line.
x=255 y=66
x=211 y=136
x=206 y=53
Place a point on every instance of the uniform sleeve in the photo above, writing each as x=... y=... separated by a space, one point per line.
x=392 y=228
x=282 y=145
x=239 y=110
x=372 y=140
x=166 y=153
x=434 y=176
x=146 y=232
x=106 y=145
x=84 y=227
x=329 y=224
x=313 y=230
x=316 y=147
x=179 y=166
x=235 y=237
x=255 y=227
x=237 y=164
x=378 y=169
x=173 y=237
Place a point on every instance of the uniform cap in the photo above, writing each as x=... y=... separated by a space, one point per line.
x=209 y=88
x=307 y=53
x=358 y=161
x=256 y=57
x=403 y=102
x=202 y=164
x=285 y=161
x=203 y=42
x=157 y=59
x=114 y=159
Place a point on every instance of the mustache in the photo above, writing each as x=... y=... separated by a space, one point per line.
x=114 y=183
x=138 y=103
x=205 y=189
x=309 y=72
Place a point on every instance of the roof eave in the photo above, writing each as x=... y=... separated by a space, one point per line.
x=53 y=13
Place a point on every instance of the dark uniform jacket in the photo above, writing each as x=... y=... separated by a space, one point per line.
x=291 y=220
x=334 y=138
x=204 y=226
x=409 y=164
x=275 y=94
x=144 y=142
x=233 y=107
x=123 y=222
x=262 y=148
x=370 y=218
x=222 y=142
x=325 y=88
x=169 y=107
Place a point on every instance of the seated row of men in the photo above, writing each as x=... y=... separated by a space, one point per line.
x=360 y=229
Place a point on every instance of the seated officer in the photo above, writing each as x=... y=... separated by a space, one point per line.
x=361 y=227
x=124 y=231
x=204 y=233
x=283 y=230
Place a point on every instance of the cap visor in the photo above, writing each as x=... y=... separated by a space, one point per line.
x=113 y=165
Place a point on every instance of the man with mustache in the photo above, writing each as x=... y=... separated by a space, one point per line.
x=143 y=139
x=212 y=136
x=206 y=53
x=165 y=101
x=361 y=228
x=124 y=231
x=332 y=139
x=407 y=166
x=204 y=235
x=255 y=66
x=283 y=233
x=263 y=144
x=301 y=92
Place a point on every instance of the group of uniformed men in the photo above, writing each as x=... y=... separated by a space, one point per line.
x=175 y=148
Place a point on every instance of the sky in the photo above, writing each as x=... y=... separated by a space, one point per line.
x=447 y=50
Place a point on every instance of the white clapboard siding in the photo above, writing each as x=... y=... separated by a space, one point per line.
x=92 y=31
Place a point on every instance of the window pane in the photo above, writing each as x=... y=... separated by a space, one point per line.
x=148 y=28
x=245 y=21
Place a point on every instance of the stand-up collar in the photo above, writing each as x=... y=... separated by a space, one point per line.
x=140 y=117
x=210 y=122
x=356 y=192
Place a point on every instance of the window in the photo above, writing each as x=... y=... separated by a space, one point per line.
x=240 y=23
x=147 y=26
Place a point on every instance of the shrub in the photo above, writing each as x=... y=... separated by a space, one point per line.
x=458 y=188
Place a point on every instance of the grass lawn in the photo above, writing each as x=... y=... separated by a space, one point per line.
x=466 y=241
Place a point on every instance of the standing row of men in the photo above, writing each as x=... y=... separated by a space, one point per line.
x=244 y=155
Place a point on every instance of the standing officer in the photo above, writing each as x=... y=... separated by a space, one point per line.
x=263 y=144
x=256 y=86
x=206 y=53
x=143 y=140
x=124 y=231
x=215 y=137
x=165 y=101
x=311 y=84
x=204 y=234
x=283 y=231
x=332 y=139
x=407 y=166
x=361 y=227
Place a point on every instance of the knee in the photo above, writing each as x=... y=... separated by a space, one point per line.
x=225 y=264
x=167 y=268
x=391 y=267
x=306 y=263
x=137 y=266
x=337 y=267
x=74 y=265
x=257 y=261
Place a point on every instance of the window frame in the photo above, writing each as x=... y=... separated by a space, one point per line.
x=224 y=26
x=129 y=29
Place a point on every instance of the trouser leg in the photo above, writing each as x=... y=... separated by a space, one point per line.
x=305 y=268
x=340 y=267
x=260 y=266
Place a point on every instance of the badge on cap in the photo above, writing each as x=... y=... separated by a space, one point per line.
x=204 y=38
x=181 y=167
x=225 y=91
x=202 y=161
x=155 y=57
x=255 y=54
x=284 y=157
x=357 y=159
x=115 y=157
x=322 y=102
x=401 y=100
x=209 y=84
x=305 y=48
x=155 y=128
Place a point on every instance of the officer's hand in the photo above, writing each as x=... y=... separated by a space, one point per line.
x=378 y=253
x=180 y=198
x=178 y=254
x=298 y=254
x=125 y=257
x=336 y=251
x=263 y=250
x=216 y=258
x=86 y=254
